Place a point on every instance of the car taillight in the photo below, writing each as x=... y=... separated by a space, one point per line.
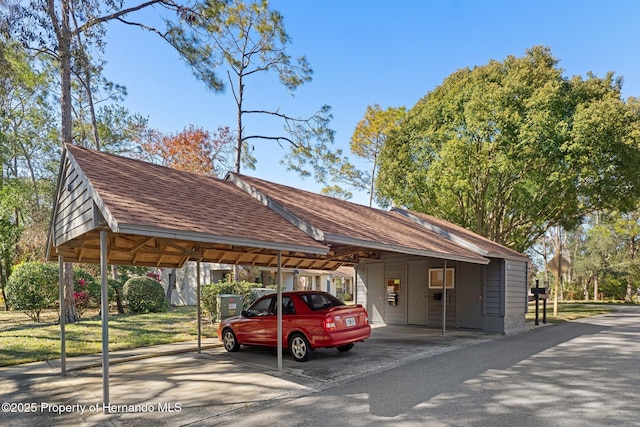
x=329 y=324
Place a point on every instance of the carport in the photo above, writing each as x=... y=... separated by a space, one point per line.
x=121 y=211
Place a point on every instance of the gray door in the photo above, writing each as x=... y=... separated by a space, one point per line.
x=417 y=288
x=375 y=292
x=470 y=296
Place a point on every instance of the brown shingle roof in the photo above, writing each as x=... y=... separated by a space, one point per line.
x=147 y=196
x=345 y=223
x=162 y=205
x=465 y=237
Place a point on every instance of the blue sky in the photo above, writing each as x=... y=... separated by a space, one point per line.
x=365 y=52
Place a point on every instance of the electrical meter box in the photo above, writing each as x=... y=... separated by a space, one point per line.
x=229 y=306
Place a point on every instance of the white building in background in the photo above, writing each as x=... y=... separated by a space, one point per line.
x=338 y=283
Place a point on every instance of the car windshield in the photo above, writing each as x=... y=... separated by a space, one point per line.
x=320 y=301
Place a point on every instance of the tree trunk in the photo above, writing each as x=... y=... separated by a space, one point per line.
x=2 y=285
x=632 y=256
x=116 y=290
x=373 y=179
x=239 y=143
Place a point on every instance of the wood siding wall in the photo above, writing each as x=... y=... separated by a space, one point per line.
x=494 y=288
x=517 y=291
x=75 y=206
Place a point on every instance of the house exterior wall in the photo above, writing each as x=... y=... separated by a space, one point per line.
x=435 y=306
x=506 y=295
x=75 y=215
x=395 y=267
x=517 y=292
x=495 y=294
x=493 y=320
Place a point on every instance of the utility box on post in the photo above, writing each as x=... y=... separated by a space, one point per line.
x=229 y=306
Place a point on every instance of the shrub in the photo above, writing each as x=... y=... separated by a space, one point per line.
x=144 y=295
x=32 y=287
x=343 y=296
x=84 y=288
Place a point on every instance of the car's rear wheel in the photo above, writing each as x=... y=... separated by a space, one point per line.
x=300 y=348
x=230 y=341
x=345 y=347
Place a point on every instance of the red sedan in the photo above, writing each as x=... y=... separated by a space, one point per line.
x=310 y=320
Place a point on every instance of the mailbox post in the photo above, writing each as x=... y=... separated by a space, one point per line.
x=540 y=294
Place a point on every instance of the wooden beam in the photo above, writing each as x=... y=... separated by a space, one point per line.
x=139 y=246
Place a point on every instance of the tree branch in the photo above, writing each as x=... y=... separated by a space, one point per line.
x=272 y=138
x=120 y=13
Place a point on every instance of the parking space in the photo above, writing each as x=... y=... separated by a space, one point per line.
x=179 y=388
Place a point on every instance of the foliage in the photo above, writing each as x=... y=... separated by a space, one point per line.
x=193 y=150
x=32 y=287
x=72 y=35
x=343 y=296
x=26 y=152
x=248 y=40
x=368 y=139
x=210 y=292
x=336 y=192
x=614 y=288
x=144 y=295
x=606 y=253
x=511 y=148
x=84 y=282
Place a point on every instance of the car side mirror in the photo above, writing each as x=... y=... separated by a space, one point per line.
x=244 y=313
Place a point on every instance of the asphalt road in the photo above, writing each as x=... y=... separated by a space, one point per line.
x=582 y=373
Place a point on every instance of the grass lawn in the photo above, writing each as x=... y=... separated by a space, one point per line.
x=22 y=340
x=569 y=310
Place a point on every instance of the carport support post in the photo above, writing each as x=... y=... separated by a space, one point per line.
x=279 y=310
x=444 y=298
x=199 y=308
x=104 y=307
x=63 y=346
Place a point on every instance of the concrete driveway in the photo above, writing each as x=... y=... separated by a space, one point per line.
x=174 y=385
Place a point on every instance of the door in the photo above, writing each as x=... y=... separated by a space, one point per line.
x=375 y=292
x=252 y=329
x=270 y=322
x=470 y=296
x=417 y=290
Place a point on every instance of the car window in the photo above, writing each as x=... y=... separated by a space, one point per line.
x=260 y=308
x=287 y=306
x=320 y=301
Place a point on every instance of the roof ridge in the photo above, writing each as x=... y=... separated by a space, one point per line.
x=269 y=202
x=444 y=233
x=312 y=193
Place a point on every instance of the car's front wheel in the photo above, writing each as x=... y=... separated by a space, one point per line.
x=230 y=341
x=300 y=348
x=345 y=347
